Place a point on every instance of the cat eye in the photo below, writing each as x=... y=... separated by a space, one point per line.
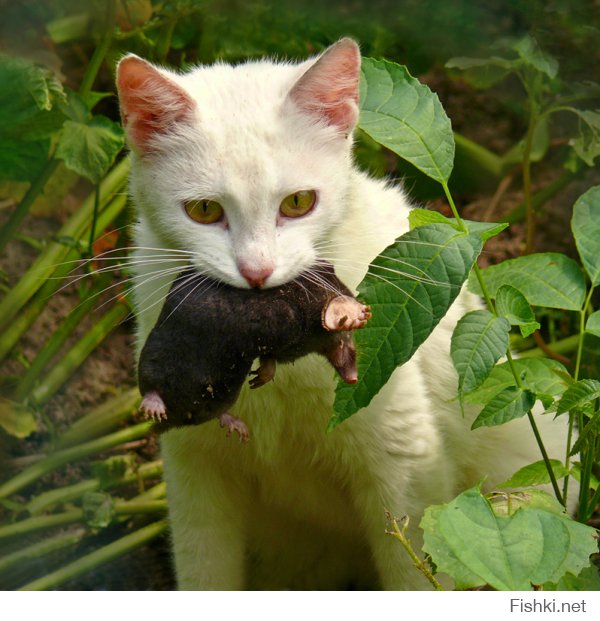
x=298 y=204
x=204 y=211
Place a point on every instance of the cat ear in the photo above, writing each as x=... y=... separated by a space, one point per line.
x=329 y=89
x=151 y=103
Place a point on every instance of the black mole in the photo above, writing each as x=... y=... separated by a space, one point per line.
x=208 y=334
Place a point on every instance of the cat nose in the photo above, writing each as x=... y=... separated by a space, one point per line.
x=255 y=276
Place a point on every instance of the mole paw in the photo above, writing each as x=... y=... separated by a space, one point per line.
x=153 y=407
x=232 y=423
x=345 y=313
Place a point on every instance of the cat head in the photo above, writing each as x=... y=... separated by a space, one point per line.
x=245 y=166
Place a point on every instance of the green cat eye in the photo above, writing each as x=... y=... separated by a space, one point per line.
x=203 y=211
x=298 y=204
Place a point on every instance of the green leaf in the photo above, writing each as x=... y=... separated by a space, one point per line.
x=420 y=217
x=593 y=324
x=17 y=420
x=587 y=580
x=511 y=304
x=588 y=435
x=587 y=144
x=530 y=52
x=98 y=509
x=546 y=279
x=409 y=287
x=577 y=395
x=29 y=115
x=483 y=72
x=403 y=115
x=479 y=340
x=540 y=375
x=536 y=474
x=510 y=403
x=90 y=149
x=468 y=540
x=585 y=225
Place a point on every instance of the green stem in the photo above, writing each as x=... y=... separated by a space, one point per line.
x=581 y=339
x=55 y=252
x=100 y=420
x=564 y=346
x=94 y=221
x=77 y=355
x=40 y=522
x=51 y=284
x=41 y=548
x=492 y=309
x=100 y=52
x=14 y=222
x=69 y=493
x=530 y=215
x=98 y=557
x=400 y=535
x=60 y=458
x=56 y=341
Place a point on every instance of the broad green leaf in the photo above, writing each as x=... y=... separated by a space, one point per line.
x=479 y=340
x=587 y=144
x=483 y=72
x=419 y=217
x=90 y=148
x=587 y=580
x=578 y=395
x=485 y=230
x=539 y=375
x=29 y=115
x=530 y=52
x=585 y=225
x=409 y=287
x=546 y=279
x=511 y=304
x=403 y=115
x=593 y=324
x=539 y=146
x=475 y=546
x=507 y=405
x=535 y=474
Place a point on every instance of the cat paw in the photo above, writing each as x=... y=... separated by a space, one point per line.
x=345 y=313
x=232 y=423
x=153 y=407
x=265 y=372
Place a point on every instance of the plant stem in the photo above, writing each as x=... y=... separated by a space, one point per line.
x=98 y=557
x=14 y=222
x=55 y=252
x=41 y=548
x=40 y=522
x=100 y=420
x=400 y=535
x=102 y=48
x=580 y=340
x=530 y=214
x=55 y=342
x=492 y=309
x=77 y=355
x=60 y=458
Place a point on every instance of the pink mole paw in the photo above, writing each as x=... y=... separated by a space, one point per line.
x=232 y=423
x=345 y=313
x=153 y=407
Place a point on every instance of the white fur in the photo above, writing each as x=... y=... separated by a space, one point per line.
x=297 y=507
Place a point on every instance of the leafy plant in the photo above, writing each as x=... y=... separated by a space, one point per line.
x=557 y=545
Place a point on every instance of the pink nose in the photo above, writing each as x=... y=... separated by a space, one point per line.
x=256 y=276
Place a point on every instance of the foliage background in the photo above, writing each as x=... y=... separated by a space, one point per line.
x=62 y=36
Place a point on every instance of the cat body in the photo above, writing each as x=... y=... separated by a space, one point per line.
x=297 y=507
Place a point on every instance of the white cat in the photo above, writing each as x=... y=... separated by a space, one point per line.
x=218 y=156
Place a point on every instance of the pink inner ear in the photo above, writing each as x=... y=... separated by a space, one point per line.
x=150 y=103
x=330 y=88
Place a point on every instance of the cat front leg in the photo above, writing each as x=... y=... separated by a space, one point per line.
x=206 y=499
